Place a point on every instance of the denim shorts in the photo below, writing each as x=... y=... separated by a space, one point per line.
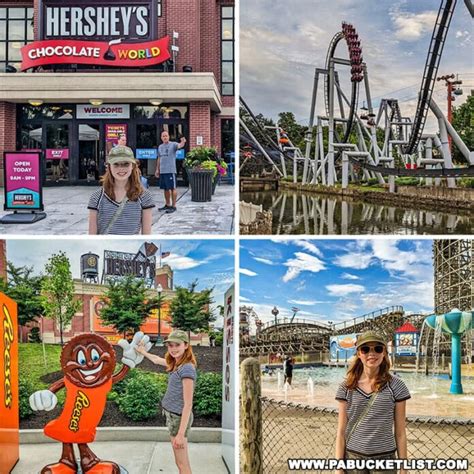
x=173 y=421
x=350 y=455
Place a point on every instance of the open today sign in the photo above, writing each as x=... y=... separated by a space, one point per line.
x=22 y=178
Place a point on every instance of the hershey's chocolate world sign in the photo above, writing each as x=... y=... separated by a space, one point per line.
x=75 y=19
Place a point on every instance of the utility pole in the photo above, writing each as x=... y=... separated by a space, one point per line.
x=453 y=90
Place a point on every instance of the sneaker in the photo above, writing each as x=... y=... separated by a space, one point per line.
x=164 y=208
x=170 y=210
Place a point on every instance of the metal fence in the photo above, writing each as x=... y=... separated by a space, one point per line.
x=297 y=431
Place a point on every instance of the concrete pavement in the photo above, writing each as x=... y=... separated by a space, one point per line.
x=67 y=213
x=138 y=450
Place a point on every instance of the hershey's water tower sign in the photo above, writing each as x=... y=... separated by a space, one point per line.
x=99 y=20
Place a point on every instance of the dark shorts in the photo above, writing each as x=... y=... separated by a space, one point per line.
x=351 y=455
x=168 y=181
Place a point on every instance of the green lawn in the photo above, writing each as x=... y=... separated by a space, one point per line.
x=32 y=361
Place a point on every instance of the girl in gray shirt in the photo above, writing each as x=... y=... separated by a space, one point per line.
x=177 y=403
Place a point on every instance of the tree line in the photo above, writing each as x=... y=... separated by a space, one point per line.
x=126 y=304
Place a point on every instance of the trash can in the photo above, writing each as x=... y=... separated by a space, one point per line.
x=201 y=185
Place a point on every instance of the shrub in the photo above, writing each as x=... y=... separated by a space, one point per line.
x=34 y=335
x=466 y=182
x=407 y=181
x=208 y=394
x=141 y=397
x=25 y=389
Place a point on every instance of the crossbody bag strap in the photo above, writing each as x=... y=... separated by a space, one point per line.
x=362 y=416
x=117 y=214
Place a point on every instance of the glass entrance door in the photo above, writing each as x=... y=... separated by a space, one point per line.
x=89 y=151
x=57 y=151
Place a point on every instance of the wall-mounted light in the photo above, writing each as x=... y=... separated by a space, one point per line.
x=35 y=102
x=155 y=101
x=96 y=101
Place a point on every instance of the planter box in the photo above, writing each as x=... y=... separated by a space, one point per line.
x=201 y=185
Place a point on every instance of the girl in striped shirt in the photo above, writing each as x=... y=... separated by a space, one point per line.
x=177 y=403
x=371 y=423
x=121 y=206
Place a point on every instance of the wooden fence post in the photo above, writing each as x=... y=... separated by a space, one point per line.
x=251 y=461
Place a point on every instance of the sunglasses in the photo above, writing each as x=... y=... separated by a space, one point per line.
x=367 y=349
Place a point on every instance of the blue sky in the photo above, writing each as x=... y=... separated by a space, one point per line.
x=209 y=261
x=332 y=280
x=282 y=42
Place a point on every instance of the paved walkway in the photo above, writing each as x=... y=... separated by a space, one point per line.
x=138 y=457
x=67 y=213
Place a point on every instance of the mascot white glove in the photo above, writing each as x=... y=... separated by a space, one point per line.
x=43 y=400
x=130 y=356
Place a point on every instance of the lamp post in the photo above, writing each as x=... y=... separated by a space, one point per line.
x=159 y=340
x=275 y=313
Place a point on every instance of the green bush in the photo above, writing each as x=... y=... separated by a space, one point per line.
x=407 y=181
x=34 y=335
x=142 y=396
x=466 y=182
x=25 y=389
x=208 y=394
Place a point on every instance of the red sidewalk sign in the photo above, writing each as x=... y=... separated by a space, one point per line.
x=47 y=52
x=9 y=406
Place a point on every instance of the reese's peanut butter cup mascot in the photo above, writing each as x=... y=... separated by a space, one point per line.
x=88 y=363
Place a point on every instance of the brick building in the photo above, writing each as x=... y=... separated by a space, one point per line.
x=76 y=74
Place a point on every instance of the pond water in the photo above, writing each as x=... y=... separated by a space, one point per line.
x=430 y=394
x=302 y=213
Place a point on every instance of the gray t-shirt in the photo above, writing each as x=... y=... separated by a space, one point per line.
x=173 y=399
x=167 y=156
x=130 y=220
x=374 y=434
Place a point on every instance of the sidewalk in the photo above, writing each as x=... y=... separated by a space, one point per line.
x=67 y=213
x=138 y=457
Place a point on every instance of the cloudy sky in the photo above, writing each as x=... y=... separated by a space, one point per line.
x=281 y=43
x=209 y=261
x=332 y=280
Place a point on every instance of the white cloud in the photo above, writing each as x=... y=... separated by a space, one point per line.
x=302 y=263
x=343 y=290
x=178 y=262
x=309 y=246
x=243 y=299
x=412 y=26
x=264 y=260
x=304 y=302
x=247 y=272
x=355 y=260
x=349 y=276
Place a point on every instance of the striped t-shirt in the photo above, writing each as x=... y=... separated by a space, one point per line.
x=130 y=220
x=375 y=433
x=173 y=399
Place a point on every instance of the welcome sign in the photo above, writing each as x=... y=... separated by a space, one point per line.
x=113 y=53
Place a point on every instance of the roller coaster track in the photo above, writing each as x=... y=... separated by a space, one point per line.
x=438 y=39
x=309 y=335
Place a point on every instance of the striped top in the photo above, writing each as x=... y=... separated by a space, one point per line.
x=130 y=220
x=375 y=433
x=173 y=399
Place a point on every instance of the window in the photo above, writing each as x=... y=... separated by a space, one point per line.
x=227 y=50
x=227 y=140
x=16 y=30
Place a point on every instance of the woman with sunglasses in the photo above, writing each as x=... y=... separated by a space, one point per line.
x=121 y=206
x=371 y=423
